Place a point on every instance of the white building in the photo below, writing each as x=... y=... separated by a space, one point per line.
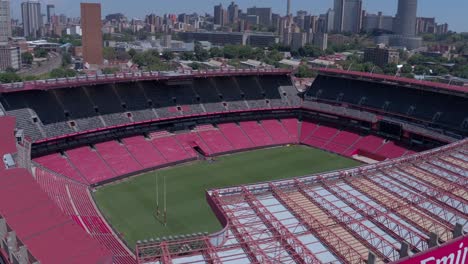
x=5 y=20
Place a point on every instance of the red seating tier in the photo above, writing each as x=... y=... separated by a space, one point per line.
x=216 y=141
x=236 y=136
x=292 y=127
x=144 y=152
x=277 y=132
x=60 y=165
x=170 y=149
x=307 y=129
x=256 y=133
x=117 y=157
x=190 y=140
x=90 y=164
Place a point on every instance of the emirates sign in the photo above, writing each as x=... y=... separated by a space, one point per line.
x=453 y=252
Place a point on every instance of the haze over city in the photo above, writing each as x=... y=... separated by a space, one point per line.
x=452 y=12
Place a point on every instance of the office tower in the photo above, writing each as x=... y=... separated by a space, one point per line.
x=32 y=19
x=91 y=25
x=5 y=20
x=233 y=13
x=288 y=9
x=348 y=15
x=219 y=15
x=405 y=21
x=50 y=13
x=264 y=15
x=10 y=57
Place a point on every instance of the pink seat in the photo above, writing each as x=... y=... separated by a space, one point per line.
x=236 y=136
x=256 y=133
x=144 y=152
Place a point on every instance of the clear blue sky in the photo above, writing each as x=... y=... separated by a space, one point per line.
x=454 y=12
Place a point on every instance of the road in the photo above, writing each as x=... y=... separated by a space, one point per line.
x=54 y=61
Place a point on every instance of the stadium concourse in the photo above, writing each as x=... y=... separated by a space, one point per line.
x=69 y=136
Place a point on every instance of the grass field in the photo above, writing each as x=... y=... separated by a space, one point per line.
x=129 y=206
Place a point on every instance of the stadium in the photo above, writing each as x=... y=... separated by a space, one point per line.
x=357 y=168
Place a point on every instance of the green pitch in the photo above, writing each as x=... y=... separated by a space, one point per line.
x=130 y=205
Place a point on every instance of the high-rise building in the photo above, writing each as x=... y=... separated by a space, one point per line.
x=219 y=15
x=233 y=13
x=264 y=15
x=379 y=21
x=32 y=19
x=405 y=21
x=10 y=57
x=348 y=15
x=91 y=25
x=288 y=9
x=50 y=13
x=5 y=20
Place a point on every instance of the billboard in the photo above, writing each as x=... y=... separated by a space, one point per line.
x=452 y=252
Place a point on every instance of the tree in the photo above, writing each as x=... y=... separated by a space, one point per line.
x=110 y=70
x=421 y=70
x=62 y=73
x=200 y=53
x=132 y=53
x=216 y=52
x=187 y=55
x=40 y=53
x=27 y=58
x=9 y=77
x=304 y=72
x=406 y=69
x=66 y=59
x=168 y=55
x=109 y=53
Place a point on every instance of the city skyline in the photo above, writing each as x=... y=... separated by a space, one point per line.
x=428 y=8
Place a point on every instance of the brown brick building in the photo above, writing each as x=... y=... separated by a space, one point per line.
x=91 y=25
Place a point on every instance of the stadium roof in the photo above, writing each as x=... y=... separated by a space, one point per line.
x=337 y=217
x=398 y=80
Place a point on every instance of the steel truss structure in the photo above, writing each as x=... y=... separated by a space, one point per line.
x=378 y=211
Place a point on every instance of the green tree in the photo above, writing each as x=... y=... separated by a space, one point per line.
x=406 y=68
x=111 y=70
x=9 y=77
x=27 y=58
x=304 y=72
x=109 y=53
x=62 y=73
x=216 y=52
x=200 y=53
x=40 y=53
x=168 y=55
x=66 y=59
x=132 y=53
x=187 y=55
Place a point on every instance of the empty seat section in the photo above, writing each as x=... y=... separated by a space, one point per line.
x=216 y=141
x=292 y=126
x=369 y=143
x=346 y=138
x=307 y=129
x=76 y=103
x=325 y=133
x=391 y=151
x=236 y=136
x=276 y=130
x=160 y=99
x=144 y=152
x=256 y=133
x=207 y=94
x=60 y=165
x=90 y=164
x=270 y=85
x=230 y=92
x=170 y=149
x=336 y=148
x=252 y=91
x=189 y=141
x=117 y=157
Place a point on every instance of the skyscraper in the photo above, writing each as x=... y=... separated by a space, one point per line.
x=348 y=15
x=288 y=9
x=50 y=13
x=91 y=25
x=233 y=12
x=264 y=14
x=405 y=21
x=219 y=15
x=32 y=19
x=5 y=20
